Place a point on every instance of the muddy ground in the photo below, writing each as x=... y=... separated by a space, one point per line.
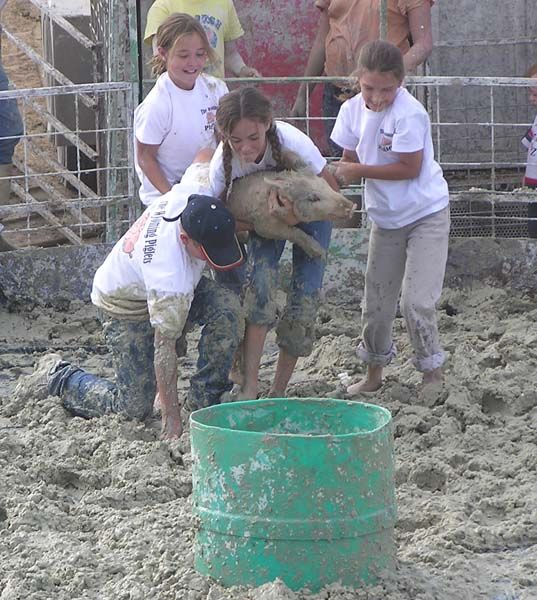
x=102 y=508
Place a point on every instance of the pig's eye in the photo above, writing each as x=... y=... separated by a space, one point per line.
x=314 y=198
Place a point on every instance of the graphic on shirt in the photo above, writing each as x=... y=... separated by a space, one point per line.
x=211 y=36
x=527 y=139
x=209 y=21
x=132 y=235
x=150 y=244
x=210 y=117
x=385 y=142
x=211 y=25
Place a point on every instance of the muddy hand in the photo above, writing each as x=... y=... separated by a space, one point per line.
x=350 y=171
x=247 y=71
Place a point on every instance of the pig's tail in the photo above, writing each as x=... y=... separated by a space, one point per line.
x=276 y=147
x=227 y=156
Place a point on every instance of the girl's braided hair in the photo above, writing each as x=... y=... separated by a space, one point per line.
x=170 y=31
x=245 y=103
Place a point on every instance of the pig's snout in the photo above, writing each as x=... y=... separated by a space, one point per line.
x=342 y=208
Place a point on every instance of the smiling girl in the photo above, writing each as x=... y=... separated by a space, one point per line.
x=177 y=117
x=386 y=137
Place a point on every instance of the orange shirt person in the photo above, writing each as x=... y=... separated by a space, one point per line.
x=345 y=26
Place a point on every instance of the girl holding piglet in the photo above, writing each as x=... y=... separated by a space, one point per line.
x=253 y=141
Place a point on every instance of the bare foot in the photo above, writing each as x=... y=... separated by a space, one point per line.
x=434 y=377
x=236 y=374
x=276 y=394
x=371 y=383
x=172 y=426
x=245 y=394
x=365 y=385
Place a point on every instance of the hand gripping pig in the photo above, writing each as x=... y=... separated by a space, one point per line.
x=311 y=196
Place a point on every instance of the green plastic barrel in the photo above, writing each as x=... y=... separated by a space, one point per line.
x=300 y=489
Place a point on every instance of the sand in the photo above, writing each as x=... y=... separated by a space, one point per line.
x=102 y=508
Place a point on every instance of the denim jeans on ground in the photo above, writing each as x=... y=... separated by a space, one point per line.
x=131 y=344
x=11 y=126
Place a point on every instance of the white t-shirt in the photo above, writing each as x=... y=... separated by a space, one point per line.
x=529 y=141
x=181 y=122
x=377 y=138
x=291 y=139
x=149 y=273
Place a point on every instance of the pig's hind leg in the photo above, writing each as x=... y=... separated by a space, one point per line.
x=308 y=243
x=295 y=235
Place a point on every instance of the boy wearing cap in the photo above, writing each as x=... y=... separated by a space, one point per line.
x=149 y=287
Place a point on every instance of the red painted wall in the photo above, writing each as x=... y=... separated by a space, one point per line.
x=277 y=40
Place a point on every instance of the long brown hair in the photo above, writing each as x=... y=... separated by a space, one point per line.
x=382 y=57
x=245 y=103
x=174 y=28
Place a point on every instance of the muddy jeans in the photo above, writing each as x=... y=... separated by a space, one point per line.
x=131 y=344
x=295 y=330
x=413 y=257
x=11 y=127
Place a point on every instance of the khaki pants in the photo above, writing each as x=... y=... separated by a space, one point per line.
x=412 y=260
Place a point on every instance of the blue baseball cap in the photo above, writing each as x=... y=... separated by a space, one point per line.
x=210 y=223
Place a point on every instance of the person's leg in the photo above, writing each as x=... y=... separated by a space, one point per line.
x=422 y=285
x=218 y=310
x=331 y=106
x=260 y=307
x=131 y=344
x=11 y=129
x=235 y=280
x=295 y=330
x=384 y=274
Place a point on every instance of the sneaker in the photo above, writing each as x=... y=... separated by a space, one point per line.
x=35 y=385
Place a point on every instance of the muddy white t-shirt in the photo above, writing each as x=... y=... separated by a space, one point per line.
x=529 y=141
x=291 y=139
x=181 y=122
x=377 y=138
x=149 y=273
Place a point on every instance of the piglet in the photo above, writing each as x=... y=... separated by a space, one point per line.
x=312 y=198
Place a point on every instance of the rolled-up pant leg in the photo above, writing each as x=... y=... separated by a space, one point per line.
x=296 y=328
x=218 y=310
x=131 y=344
x=427 y=250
